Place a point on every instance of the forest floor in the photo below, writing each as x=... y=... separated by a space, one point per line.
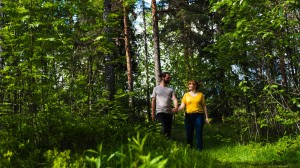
x=222 y=144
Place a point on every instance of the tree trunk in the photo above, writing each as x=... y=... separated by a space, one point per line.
x=128 y=53
x=187 y=50
x=1 y=60
x=156 y=51
x=146 y=62
x=283 y=72
x=90 y=83
x=109 y=69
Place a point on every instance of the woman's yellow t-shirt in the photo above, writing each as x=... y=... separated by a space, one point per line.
x=193 y=104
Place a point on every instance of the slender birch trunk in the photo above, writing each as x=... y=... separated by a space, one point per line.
x=146 y=62
x=156 y=48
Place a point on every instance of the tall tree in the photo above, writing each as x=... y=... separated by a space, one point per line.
x=1 y=57
x=128 y=50
x=146 y=60
x=109 y=57
x=156 y=52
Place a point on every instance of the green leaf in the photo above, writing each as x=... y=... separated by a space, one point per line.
x=240 y=23
x=22 y=10
x=24 y=18
x=34 y=24
x=98 y=38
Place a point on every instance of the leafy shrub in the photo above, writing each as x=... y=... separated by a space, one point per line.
x=134 y=156
x=56 y=159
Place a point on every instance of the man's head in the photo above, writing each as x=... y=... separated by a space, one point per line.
x=165 y=76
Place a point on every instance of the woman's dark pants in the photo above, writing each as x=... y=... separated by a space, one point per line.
x=194 y=121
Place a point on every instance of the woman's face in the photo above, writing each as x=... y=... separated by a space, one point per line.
x=191 y=86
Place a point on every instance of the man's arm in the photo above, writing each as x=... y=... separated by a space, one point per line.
x=153 y=106
x=175 y=102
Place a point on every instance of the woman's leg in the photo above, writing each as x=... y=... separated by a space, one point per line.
x=189 y=127
x=199 y=122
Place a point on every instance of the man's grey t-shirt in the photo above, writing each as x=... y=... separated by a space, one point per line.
x=163 y=96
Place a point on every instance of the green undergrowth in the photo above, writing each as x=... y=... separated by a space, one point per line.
x=113 y=141
x=284 y=152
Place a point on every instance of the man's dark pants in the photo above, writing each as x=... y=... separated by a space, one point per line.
x=166 y=123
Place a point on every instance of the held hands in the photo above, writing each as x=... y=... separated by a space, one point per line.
x=175 y=109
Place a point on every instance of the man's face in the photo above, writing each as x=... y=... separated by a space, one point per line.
x=167 y=79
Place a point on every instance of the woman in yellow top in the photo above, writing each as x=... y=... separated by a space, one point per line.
x=194 y=103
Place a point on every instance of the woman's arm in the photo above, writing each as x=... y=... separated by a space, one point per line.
x=206 y=114
x=181 y=107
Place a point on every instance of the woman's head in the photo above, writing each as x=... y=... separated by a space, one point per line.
x=193 y=85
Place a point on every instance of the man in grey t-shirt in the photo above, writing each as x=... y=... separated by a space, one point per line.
x=161 y=103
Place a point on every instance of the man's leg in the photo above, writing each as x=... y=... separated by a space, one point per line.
x=166 y=123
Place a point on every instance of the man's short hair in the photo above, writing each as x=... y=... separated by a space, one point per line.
x=164 y=74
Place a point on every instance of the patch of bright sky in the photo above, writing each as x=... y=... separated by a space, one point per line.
x=138 y=20
x=148 y=2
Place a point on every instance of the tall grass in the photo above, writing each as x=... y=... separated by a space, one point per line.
x=222 y=149
x=106 y=142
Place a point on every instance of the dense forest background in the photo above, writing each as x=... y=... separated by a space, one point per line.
x=78 y=73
